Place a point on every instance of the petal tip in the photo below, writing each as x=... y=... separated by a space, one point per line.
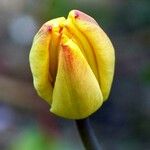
x=49 y=28
x=77 y=14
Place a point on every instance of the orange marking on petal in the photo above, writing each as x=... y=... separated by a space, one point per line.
x=60 y=30
x=68 y=56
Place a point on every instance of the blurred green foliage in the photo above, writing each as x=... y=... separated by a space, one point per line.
x=145 y=75
x=34 y=139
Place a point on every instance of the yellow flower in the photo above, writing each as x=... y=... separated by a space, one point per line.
x=72 y=62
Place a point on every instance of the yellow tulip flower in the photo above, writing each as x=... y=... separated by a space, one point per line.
x=72 y=62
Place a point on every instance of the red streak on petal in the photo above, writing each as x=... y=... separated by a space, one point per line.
x=60 y=30
x=68 y=56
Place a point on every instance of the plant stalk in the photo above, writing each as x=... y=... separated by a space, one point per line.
x=87 y=135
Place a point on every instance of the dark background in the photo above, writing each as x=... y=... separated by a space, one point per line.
x=122 y=123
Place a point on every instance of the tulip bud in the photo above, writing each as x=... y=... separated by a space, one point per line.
x=72 y=62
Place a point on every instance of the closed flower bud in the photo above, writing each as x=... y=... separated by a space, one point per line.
x=72 y=62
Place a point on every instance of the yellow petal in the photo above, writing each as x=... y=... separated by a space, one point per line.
x=78 y=37
x=101 y=46
x=57 y=27
x=42 y=54
x=76 y=92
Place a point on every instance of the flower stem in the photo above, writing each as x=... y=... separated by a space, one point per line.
x=87 y=135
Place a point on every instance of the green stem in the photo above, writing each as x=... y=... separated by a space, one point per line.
x=87 y=135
